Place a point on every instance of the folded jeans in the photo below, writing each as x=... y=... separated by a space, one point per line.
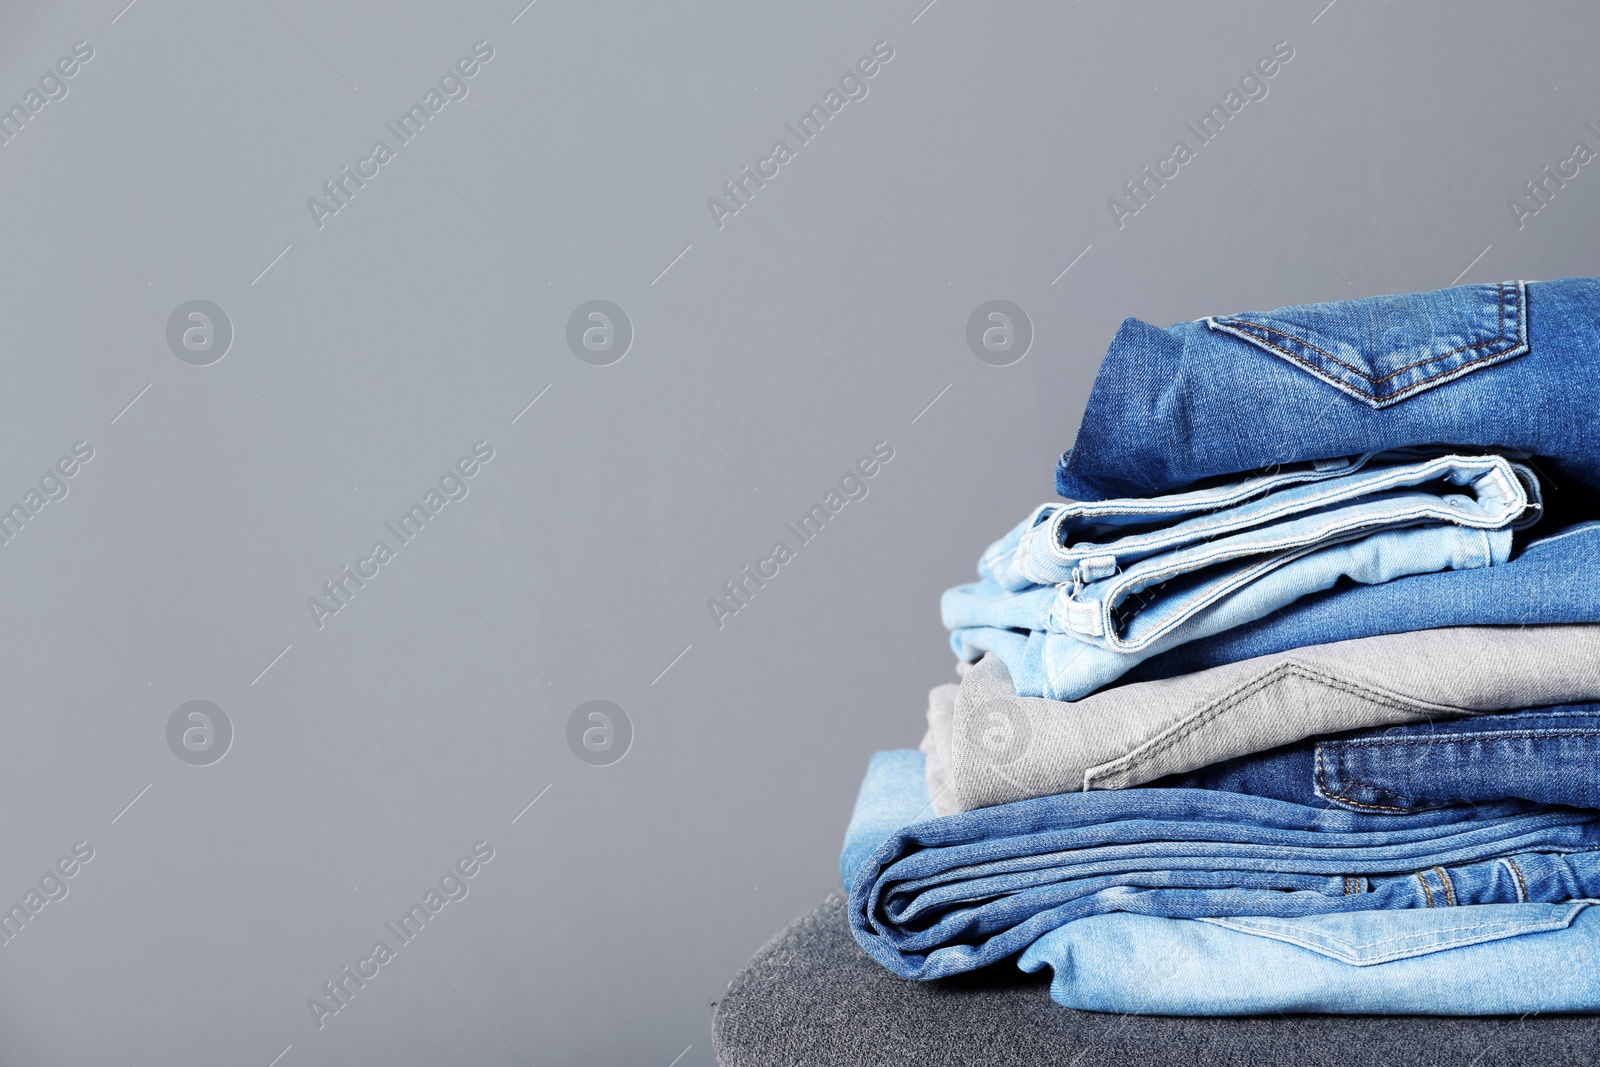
x=1549 y=581
x=1545 y=755
x=1510 y=366
x=933 y=897
x=1044 y=661
x=1530 y=958
x=988 y=746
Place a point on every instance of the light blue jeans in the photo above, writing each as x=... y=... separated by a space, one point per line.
x=1549 y=581
x=1399 y=961
x=1121 y=581
x=1478 y=959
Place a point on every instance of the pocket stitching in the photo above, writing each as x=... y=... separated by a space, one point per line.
x=1454 y=738
x=1513 y=929
x=1322 y=787
x=1340 y=947
x=1234 y=319
x=1142 y=754
x=1248 y=326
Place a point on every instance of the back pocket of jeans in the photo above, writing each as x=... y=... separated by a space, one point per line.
x=1384 y=349
x=1363 y=938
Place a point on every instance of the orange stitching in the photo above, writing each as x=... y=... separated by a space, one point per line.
x=1426 y=891
x=1431 y=739
x=1235 y=320
x=1523 y=886
x=1449 y=891
x=1397 y=394
x=1322 y=784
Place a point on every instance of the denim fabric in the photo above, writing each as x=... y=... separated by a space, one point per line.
x=1546 y=755
x=883 y=806
x=1508 y=367
x=1131 y=592
x=946 y=895
x=1550 y=581
x=937 y=750
x=1054 y=543
x=1022 y=631
x=811 y=997
x=1162 y=537
x=987 y=746
x=1477 y=959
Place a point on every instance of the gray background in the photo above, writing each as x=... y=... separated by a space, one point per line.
x=426 y=315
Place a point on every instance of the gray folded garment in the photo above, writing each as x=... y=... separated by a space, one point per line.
x=986 y=745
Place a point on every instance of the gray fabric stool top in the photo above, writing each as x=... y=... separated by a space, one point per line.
x=812 y=997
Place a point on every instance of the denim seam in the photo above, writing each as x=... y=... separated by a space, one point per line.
x=1346 y=780
x=1224 y=496
x=1142 y=755
x=1449 y=890
x=1417 y=475
x=1521 y=339
x=1238 y=499
x=1411 y=518
x=1427 y=892
x=1256 y=923
x=1487 y=468
x=1121 y=590
x=1581 y=528
x=1516 y=872
x=1326 y=792
x=1235 y=319
x=1493 y=735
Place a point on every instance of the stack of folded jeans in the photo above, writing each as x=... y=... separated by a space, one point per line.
x=1293 y=702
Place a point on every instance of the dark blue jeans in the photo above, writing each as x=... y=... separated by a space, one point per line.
x=1509 y=368
x=1513 y=367
x=1547 y=756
